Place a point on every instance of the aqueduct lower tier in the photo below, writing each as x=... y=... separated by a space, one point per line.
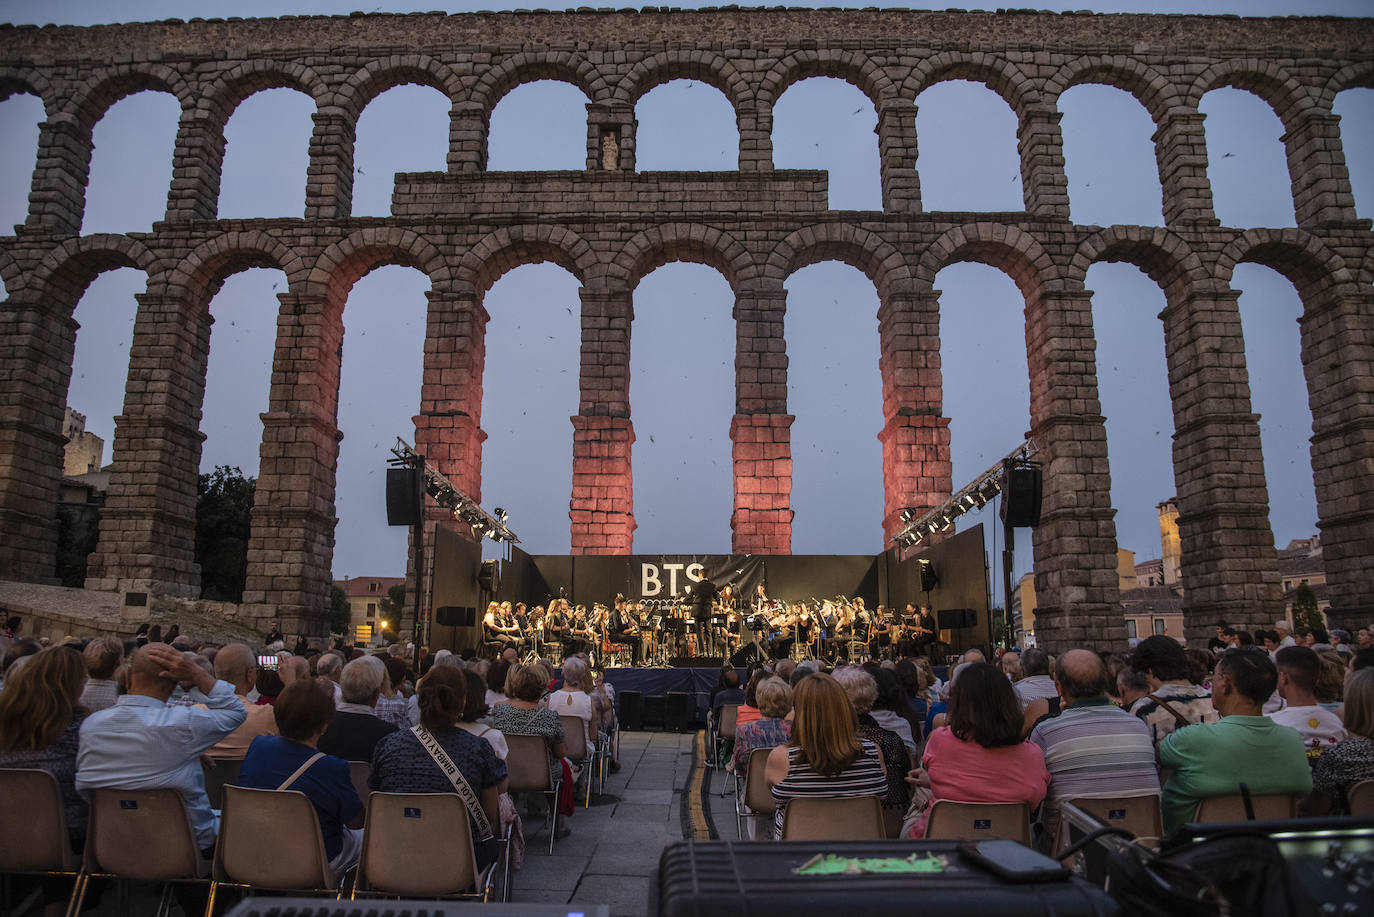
x=609 y=225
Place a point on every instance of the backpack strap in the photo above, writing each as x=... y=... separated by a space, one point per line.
x=286 y=784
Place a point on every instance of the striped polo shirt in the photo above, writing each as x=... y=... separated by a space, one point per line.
x=863 y=777
x=1095 y=749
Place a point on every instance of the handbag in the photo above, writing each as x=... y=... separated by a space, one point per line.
x=300 y=770
x=460 y=783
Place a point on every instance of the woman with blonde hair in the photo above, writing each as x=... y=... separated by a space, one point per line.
x=1350 y=761
x=825 y=756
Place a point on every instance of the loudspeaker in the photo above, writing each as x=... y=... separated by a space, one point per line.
x=403 y=499
x=696 y=662
x=957 y=618
x=490 y=576
x=1021 y=497
x=928 y=578
x=745 y=656
x=654 y=709
x=632 y=710
x=675 y=711
x=455 y=616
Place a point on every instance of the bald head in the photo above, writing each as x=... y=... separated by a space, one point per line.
x=1081 y=674
x=236 y=664
x=293 y=668
x=146 y=669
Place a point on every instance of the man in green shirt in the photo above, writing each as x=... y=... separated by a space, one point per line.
x=1214 y=759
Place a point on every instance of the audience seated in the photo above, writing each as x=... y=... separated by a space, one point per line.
x=1244 y=746
x=293 y=760
x=749 y=710
x=330 y=666
x=142 y=743
x=824 y=756
x=1347 y=762
x=103 y=657
x=522 y=714
x=392 y=705
x=890 y=710
x=573 y=698
x=980 y=756
x=474 y=709
x=356 y=729
x=1133 y=689
x=862 y=689
x=1035 y=683
x=1173 y=700
x=40 y=721
x=727 y=694
x=496 y=682
x=772 y=728
x=402 y=763
x=1093 y=748
x=1320 y=729
x=236 y=664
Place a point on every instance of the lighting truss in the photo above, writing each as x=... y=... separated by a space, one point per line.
x=974 y=495
x=447 y=495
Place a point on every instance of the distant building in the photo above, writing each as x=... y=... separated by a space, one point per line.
x=83 y=451
x=1170 y=543
x=1301 y=564
x=365 y=594
x=1150 y=572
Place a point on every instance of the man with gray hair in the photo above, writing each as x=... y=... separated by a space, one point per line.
x=329 y=666
x=356 y=729
x=1036 y=683
x=236 y=664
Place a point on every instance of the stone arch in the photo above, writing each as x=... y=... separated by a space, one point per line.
x=68 y=269
x=527 y=67
x=1312 y=268
x=709 y=68
x=26 y=81
x=230 y=90
x=1351 y=76
x=345 y=262
x=1289 y=98
x=1146 y=85
x=691 y=242
x=998 y=74
x=10 y=274
x=857 y=69
x=1013 y=251
x=1165 y=258
x=202 y=272
x=398 y=70
x=879 y=260
x=500 y=252
x=93 y=99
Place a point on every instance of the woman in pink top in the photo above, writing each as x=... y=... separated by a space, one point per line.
x=979 y=756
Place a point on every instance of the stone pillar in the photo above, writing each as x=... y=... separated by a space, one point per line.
x=36 y=345
x=1321 y=181
x=755 y=124
x=329 y=178
x=896 y=131
x=1229 y=565
x=148 y=525
x=1040 y=144
x=1076 y=586
x=761 y=430
x=602 y=506
x=611 y=137
x=1181 y=151
x=197 y=166
x=917 y=471
x=1338 y=351
x=469 y=126
x=57 y=201
x=291 y=546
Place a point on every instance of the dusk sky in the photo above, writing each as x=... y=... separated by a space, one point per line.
x=682 y=386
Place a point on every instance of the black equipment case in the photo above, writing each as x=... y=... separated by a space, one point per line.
x=712 y=878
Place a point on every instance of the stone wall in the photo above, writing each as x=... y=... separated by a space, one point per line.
x=610 y=225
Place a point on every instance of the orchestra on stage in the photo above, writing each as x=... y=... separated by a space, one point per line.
x=709 y=622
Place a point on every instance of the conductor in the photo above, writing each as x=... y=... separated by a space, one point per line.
x=701 y=597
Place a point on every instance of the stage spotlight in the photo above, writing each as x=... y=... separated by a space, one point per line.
x=501 y=515
x=908 y=514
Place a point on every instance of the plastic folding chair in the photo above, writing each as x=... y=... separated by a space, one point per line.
x=226 y=770
x=144 y=836
x=722 y=730
x=833 y=818
x=358 y=772
x=1361 y=798
x=979 y=820
x=35 y=840
x=588 y=757
x=1139 y=815
x=419 y=845
x=756 y=801
x=271 y=839
x=1232 y=808
x=527 y=771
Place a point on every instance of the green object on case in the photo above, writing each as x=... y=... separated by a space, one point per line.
x=831 y=865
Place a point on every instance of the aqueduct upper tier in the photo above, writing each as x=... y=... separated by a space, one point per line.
x=610 y=224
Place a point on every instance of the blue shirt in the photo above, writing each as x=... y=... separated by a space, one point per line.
x=143 y=744
x=327 y=784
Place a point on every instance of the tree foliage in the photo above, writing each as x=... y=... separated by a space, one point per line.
x=224 y=508
x=1305 y=613
x=340 y=614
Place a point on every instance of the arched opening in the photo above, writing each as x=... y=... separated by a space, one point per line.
x=405 y=129
x=827 y=123
x=529 y=392
x=835 y=392
x=986 y=392
x=966 y=138
x=1133 y=386
x=1109 y=158
x=131 y=163
x=379 y=395
x=1269 y=312
x=539 y=126
x=20 y=116
x=267 y=155
x=1246 y=163
x=682 y=399
x=686 y=125
x=1356 y=110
